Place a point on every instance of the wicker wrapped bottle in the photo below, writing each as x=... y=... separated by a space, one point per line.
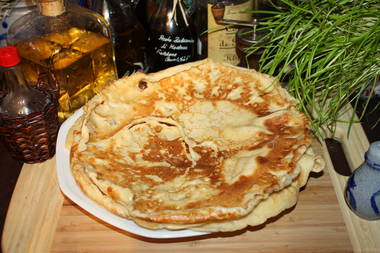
x=28 y=113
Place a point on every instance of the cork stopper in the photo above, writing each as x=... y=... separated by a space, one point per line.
x=51 y=7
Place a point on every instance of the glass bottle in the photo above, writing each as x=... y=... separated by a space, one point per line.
x=128 y=34
x=200 y=21
x=271 y=5
x=362 y=192
x=145 y=10
x=250 y=46
x=190 y=7
x=28 y=113
x=171 y=38
x=222 y=42
x=69 y=48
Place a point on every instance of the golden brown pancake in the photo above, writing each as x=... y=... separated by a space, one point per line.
x=201 y=145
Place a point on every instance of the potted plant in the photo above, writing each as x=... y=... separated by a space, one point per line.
x=327 y=52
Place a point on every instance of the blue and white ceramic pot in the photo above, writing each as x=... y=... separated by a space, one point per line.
x=10 y=11
x=363 y=187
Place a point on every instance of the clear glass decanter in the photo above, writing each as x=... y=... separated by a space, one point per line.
x=68 y=48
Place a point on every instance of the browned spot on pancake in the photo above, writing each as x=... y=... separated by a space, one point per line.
x=260 y=109
x=231 y=195
x=146 y=206
x=172 y=152
x=208 y=157
x=262 y=160
x=165 y=173
x=114 y=195
x=132 y=155
x=158 y=129
x=280 y=125
x=143 y=85
x=73 y=150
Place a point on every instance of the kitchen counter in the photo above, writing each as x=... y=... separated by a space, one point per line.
x=10 y=170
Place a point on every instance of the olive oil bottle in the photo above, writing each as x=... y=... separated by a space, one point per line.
x=68 y=48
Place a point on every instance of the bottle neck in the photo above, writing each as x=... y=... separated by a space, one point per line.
x=173 y=8
x=51 y=8
x=15 y=78
x=165 y=6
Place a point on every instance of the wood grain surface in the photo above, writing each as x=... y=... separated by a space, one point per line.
x=34 y=210
x=40 y=219
x=313 y=225
x=364 y=235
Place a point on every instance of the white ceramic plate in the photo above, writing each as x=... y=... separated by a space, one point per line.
x=70 y=188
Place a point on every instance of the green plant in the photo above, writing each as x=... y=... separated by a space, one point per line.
x=327 y=51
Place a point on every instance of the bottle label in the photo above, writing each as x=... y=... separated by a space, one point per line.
x=171 y=50
x=222 y=43
x=234 y=12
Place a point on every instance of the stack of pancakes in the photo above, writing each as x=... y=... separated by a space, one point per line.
x=203 y=146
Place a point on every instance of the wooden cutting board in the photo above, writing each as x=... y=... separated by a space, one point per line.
x=41 y=219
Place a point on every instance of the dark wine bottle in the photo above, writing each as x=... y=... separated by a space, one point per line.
x=201 y=26
x=145 y=10
x=171 y=39
x=128 y=34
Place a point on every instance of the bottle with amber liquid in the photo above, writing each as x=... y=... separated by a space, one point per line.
x=171 y=39
x=28 y=113
x=67 y=48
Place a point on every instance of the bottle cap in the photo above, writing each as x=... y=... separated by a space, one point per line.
x=9 y=56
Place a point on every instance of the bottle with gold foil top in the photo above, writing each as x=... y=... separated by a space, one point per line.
x=222 y=42
x=68 y=48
